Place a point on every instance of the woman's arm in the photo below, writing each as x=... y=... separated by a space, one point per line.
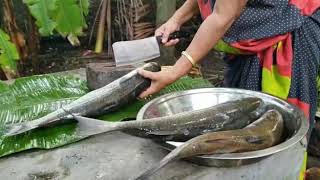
x=186 y=12
x=182 y=15
x=210 y=31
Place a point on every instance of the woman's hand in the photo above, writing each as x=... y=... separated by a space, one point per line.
x=166 y=29
x=182 y=15
x=159 y=80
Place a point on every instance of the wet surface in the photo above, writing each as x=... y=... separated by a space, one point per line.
x=118 y=156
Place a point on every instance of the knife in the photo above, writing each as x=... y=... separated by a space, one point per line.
x=137 y=51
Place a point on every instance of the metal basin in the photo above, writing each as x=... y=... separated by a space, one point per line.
x=296 y=125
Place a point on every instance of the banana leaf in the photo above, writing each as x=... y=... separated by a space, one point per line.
x=66 y=17
x=32 y=97
x=8 y=54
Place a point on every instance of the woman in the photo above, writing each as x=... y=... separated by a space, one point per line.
x=275 y=46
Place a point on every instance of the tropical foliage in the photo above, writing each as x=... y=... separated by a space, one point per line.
x=66 y=17
x=8 y=54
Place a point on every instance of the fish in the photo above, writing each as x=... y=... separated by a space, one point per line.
x=228 y=115
x=100 y=101
x=263 y=133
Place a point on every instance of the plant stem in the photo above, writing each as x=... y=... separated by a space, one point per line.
x=109 y=28
x=33 y=43
x=100 y=35
x=2 y=75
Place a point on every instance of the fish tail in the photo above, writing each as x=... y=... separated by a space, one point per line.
x=89 y=126
x=173 y=155
x=45 y=121
x=145 y=175
x=19 y=128
x=15 y=129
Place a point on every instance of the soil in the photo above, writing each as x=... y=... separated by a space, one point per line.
x=56 y=55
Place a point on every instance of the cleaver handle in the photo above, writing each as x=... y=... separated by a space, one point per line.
x=175 y=35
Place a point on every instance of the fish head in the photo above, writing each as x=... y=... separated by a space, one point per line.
x=253 y=103
x=152 y=66
x=278 y=122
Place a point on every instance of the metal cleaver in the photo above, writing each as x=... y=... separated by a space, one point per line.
x=137 y=51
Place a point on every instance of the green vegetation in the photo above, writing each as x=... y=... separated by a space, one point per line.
x=67 y=17
x=8 y=54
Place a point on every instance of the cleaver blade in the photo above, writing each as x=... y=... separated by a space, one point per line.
x=136 y=51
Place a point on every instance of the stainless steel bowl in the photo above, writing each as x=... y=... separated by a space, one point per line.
x=296 y=124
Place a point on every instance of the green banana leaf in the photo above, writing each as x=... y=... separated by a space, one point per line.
x=8 y=54
x=32 y=97
x=42 y=10
x=67 y=17
x=69 y=20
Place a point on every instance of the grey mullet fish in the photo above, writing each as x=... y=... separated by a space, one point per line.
x=263 y=133
x=229 y=115
x=102 y=100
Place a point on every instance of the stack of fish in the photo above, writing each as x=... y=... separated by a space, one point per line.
x=235 y=126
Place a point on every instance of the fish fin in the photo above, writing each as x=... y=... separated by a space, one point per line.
x=220 y=141
x=162 y=133
x=16 y=129
x=110 y=107
x=173 y=155
x=254 y=140
x=146 y=175
x=86 y=126
x=89 y=126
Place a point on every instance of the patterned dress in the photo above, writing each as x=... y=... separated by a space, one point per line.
x=274 y=47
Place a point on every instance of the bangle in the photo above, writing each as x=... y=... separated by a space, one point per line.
x=191 y=60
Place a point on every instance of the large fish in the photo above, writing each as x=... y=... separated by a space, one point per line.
x=229 y=115
x=105 y=99
x=263 y=133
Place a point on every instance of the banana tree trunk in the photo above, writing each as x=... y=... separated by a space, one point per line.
x=16 y=36
x=33 y=43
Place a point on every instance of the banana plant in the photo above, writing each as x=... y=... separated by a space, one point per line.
x=8 y=56
x=67 y=17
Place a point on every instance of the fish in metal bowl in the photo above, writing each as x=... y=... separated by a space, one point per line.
x=277 y=126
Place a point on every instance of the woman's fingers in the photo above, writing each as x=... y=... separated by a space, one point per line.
x=172 y=42
x=159 y=80
x=151 y=90
x=165 y=36
x=159 y=31
x=165 y=30
x=155 y=82
x=144 y=94
x=147 y=74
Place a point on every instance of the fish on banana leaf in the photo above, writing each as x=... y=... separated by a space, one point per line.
x=108 y=98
